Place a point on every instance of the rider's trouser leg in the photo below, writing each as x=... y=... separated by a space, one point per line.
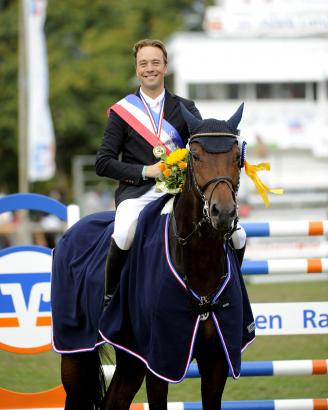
x=239 y=242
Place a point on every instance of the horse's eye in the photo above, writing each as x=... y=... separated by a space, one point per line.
x=195 y=156
x=238 y=157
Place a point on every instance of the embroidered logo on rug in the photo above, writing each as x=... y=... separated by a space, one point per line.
x=251 y=327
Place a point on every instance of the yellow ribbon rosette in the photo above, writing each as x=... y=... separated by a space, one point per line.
x=251 y=172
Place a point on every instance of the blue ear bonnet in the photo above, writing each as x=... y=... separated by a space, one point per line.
x=216 y=135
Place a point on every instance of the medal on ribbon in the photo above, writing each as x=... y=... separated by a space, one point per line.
x=158 y=151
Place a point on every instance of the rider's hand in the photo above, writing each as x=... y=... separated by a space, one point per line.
x=153 y=171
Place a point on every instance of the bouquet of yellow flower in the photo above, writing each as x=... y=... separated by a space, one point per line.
x=173 y=169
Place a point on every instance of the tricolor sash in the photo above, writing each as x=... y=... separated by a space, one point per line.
x=133 y=111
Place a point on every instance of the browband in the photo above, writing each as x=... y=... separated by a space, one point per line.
x=241 y=143
x=207 y=134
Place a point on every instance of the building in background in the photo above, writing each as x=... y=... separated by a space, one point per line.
x=274 y=56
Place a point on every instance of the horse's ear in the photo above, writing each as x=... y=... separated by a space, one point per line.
x=234 y=121
x=193 y=122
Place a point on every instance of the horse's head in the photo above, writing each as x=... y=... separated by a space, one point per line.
x=215 y=159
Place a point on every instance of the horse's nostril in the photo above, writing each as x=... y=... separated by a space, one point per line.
x=215 y=211
x=232 y=212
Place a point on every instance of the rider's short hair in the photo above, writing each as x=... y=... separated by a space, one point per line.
x=150 y=43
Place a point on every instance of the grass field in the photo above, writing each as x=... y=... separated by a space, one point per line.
x=27 y=373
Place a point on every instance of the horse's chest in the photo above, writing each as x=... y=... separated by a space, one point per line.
x=207 y=331
x=207 y=337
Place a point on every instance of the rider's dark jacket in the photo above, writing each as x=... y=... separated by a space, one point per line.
x=121 y=139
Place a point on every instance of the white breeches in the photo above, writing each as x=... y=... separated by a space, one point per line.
x=239 y=237
x=127 y=214
x=126 y=218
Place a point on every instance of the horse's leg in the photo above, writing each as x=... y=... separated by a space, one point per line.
x=213 y=369
x=80 y=374
x=157 y=390
x=126 y=381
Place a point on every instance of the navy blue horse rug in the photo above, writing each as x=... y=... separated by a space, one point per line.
x=151 y=314
x=77 y=283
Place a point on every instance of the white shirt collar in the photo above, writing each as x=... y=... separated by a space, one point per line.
x=153 y=103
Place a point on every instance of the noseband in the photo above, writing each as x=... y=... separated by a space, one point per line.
x=206 y=203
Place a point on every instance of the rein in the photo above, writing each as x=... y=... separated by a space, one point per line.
x=206 y=204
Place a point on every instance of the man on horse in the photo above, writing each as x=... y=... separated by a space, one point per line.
x=140 y=128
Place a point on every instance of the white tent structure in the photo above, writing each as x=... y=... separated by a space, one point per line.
x=275 y=58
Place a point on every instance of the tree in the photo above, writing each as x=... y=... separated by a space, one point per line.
x=8 y=95
x=90 y=66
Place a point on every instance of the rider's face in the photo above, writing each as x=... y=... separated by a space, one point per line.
x=151 y=69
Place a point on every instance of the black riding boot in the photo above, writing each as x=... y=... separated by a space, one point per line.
x=240 y=254
x=115 y=260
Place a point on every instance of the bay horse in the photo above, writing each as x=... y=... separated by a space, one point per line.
x=206 y=265
x=203 y=219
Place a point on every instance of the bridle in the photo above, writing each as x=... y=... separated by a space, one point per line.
x=206 y=203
